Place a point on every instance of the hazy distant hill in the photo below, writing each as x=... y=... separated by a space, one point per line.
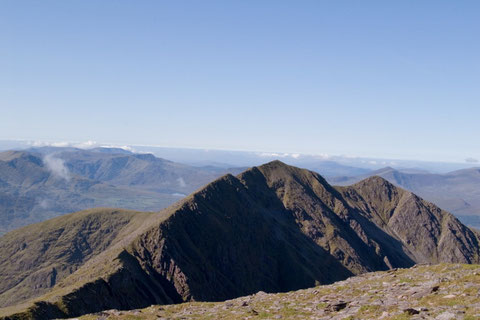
x=45 y=182
x=457 y=191
x=272 y=228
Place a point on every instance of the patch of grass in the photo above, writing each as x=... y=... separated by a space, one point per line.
x=369 y=310
x=406 y=280
x=402 y=316
x=470 y=266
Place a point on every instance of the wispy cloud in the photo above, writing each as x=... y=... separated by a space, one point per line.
x=471 y=160
x=56 y=166
x=81 y=145
x=62 y=144
x=126 y=148
x=85 y=145
x=181 y=182
x=43 y=203
x=50 y=144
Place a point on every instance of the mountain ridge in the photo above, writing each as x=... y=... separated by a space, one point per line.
x=273 y=228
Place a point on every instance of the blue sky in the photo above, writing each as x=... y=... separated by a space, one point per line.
x=395 y=79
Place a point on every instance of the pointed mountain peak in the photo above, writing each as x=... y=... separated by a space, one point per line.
x=375 y=181
x=275 y=164
x=278 y=170
x=271 y=170
x=221 y=183
x=278 y=166
x=378 y=189
x=385 y=170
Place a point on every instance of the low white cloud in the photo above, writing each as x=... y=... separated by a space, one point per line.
x=322 y=156
x=63 y=144
x=85 y=145
x=80 y=145
x=44 y=203
x=176 y=194
x=126 y=148
x=181 y=182
x=471 y=160
x=279 y=155
x=50 y=144
x=56 y=166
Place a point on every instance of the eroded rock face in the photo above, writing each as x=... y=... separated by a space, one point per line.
x=273 y=228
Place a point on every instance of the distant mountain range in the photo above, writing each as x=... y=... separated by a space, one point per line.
x=457 y=191
x=327 y=165
x=44 y=182
x=272 y=228
x=41 y=183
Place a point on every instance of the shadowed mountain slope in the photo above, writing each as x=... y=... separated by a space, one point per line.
x=272 y=228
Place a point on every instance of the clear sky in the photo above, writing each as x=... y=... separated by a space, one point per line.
x=398 y=79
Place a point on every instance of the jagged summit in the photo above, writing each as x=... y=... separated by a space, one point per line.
x=375 y=181
x=272 y=228
x=377 y=189
x=275 y=164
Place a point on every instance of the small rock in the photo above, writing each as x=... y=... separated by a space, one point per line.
x=449 y=296
x=244 y=304
x=411 y=311
x=446 y=316
x=435 y=288
x=336 y=306
x=254 y=312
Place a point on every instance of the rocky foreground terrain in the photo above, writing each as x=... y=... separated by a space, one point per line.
x=445 y=291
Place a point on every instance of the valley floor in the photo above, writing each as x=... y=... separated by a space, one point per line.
x=445 y=291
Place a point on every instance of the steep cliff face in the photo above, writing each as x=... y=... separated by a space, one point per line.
x=272 y=228
x=427 y=233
